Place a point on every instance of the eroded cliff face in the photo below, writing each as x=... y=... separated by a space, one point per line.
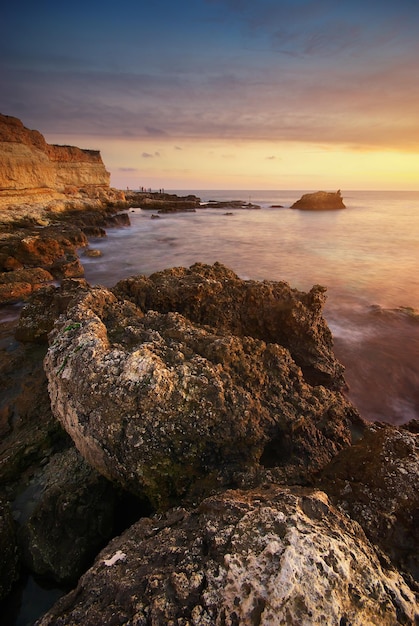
x=29 y=166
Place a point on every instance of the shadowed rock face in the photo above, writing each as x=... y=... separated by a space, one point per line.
x=172 y=409
x=214 y=295
x=72 y=517
x=319 y=201
x=267 y=557
x=376 y=483
x=9 y=562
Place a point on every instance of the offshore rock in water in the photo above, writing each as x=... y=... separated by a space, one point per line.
x=320 y=201
x=176 y=405
x=269 y=556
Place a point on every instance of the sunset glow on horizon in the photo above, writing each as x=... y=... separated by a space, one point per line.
x=225 y=94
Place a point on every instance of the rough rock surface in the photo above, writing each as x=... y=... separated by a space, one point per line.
x=66 y=516
x=319 y=201
x=376 y=482
x=9 y=560
x=29 y=166
x=271 y=311
x=32 y=255
x=39 y=314
x=173 y=410
x=269 y=557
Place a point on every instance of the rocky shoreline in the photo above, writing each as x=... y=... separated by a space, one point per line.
x=220 y=427
x=178 y=450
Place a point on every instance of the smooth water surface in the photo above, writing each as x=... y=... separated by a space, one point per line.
x=366 y=254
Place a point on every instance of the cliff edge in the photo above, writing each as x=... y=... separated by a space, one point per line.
x=31 y=170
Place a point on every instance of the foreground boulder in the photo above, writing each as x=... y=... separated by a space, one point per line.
x=270 y=310
x=172 y=410
x=320 y=201
x=376 y=483
x=269 y=557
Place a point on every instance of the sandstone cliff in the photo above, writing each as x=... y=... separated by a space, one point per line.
x=31 y=168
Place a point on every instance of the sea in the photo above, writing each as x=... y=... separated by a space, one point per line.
x=367 y=256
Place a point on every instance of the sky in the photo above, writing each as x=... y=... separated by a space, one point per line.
x=222 y=94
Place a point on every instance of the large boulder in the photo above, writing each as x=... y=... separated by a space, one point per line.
x=172 y=409
x=320 y=201
x=270 y=557
x=376 y=482
x=270 y=310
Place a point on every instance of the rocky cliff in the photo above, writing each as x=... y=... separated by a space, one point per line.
x=30 y=167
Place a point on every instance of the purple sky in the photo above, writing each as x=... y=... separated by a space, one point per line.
x=233 y=82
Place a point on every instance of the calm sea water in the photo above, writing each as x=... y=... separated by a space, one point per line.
x=367 y=256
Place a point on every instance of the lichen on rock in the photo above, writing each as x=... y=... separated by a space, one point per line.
x=270 y=556
x=173 y=409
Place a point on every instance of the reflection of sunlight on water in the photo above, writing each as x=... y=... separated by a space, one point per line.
x=363 y=255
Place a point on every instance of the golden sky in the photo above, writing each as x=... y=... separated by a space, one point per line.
x=223 y=94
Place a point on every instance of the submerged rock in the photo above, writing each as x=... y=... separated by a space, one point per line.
x=320 y=201
x=269 y=557
x=173 y=409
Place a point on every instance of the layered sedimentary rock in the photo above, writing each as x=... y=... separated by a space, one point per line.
x=320 y=201
x=30 y=167
x=270 y=557
x=173 y=405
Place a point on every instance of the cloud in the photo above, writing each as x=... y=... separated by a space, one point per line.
x=148 y=155
x=127 y=169
x=154 y=132
x=299 y=71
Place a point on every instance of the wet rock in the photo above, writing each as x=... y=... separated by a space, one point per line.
x=271 y=311
x=38 y=316
x=92 y=252
x=20 y=284
x=269 y=557
x=68 y=267
x=174 y=410
x=66 y=515
x=376 y=483
x=9 y=561
x=319 y=201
